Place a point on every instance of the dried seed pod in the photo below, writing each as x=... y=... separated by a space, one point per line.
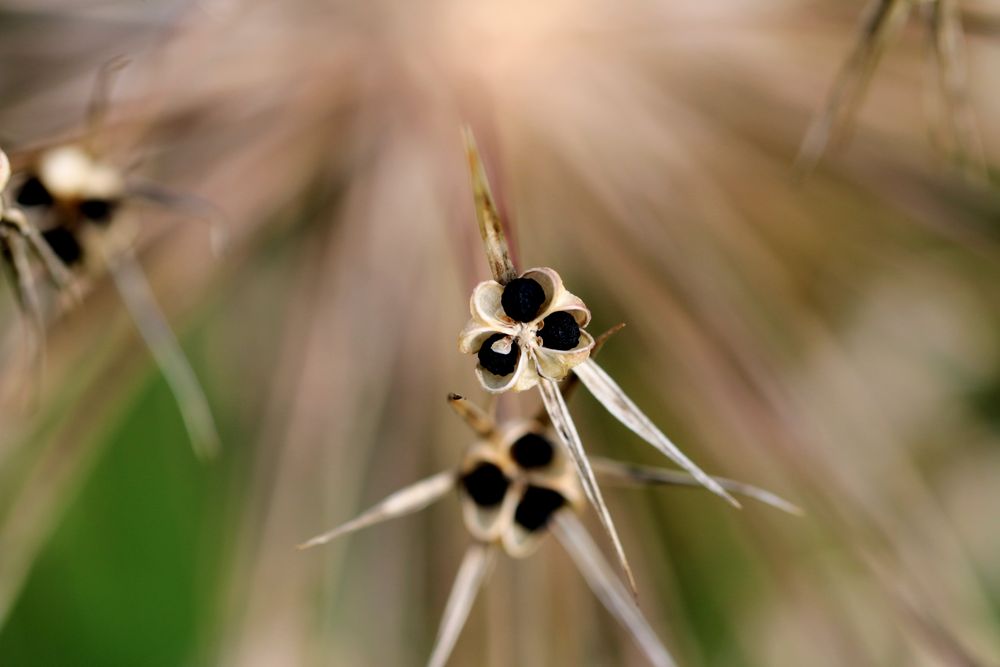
x=546 y=331
x=20 y=243
x=515 y=486
x=72 y=198
x=528 y=330
x=506 y=501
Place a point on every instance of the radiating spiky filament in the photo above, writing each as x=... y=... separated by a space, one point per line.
x=401 y=503
x=628 y=413
x=628 y=473
x=22 y=281
x=100 y=97
x=947 y=53
x=477 y=419
x=192 y=206
x=570 y=384
x=475 y=568
x=138 y=298
x=601 y=579
x=881 y=21
x=490 y=224
x=563 y=425
x=58 y=273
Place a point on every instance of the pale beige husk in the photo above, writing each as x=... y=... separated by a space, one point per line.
x=497 y=524
x=72 y=173
x=494 y=529
x=535 y=361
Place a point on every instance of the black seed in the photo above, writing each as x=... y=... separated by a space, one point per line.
x=98 y=210
x=486 y=485
x=521 y=299
x=560 y=331
x=532 y=451
x=537 y=507
x=64 y=244
x=496 y=363
x=33 y=193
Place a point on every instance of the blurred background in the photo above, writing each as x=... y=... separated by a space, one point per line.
x=835 y=338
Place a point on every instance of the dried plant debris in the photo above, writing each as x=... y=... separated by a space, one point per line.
x=529 y=331
x=71 y=201
x=950 y=113
x=514 y=484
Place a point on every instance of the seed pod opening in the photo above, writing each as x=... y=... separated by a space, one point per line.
x=64 y=244
x=496 y=362
x=522 y=299
x=33 y=193
x=98 y=210
x=486 y=485
x=560 y=331
x=537 y=507
x=532 y=451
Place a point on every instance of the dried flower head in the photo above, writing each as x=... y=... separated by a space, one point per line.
x=527 y=330
x=512 y=483
x=531 y=327
x=515 y=486
x=71 y=199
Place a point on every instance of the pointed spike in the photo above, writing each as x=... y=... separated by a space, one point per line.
x=563 y=424
x=192 y=206
x=58 y=273
x=401 y=503
x=599 y=576
x=881 y=19
x=472 y=573
x=23 y=282
x=162 y=343
x=97 y=107
x=477 y=419
x=611 y=396
x=629 y=473
x=569 y=384
x=490 y=224
x=947 y=49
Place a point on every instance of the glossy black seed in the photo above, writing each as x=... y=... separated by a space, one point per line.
x=560 y=331
x=64 y=244
x=33 y=193
x=496 y=363
x=486 y=485
x=537 y=507
x=521 y=299
x=98 y=210
x=532 y=451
